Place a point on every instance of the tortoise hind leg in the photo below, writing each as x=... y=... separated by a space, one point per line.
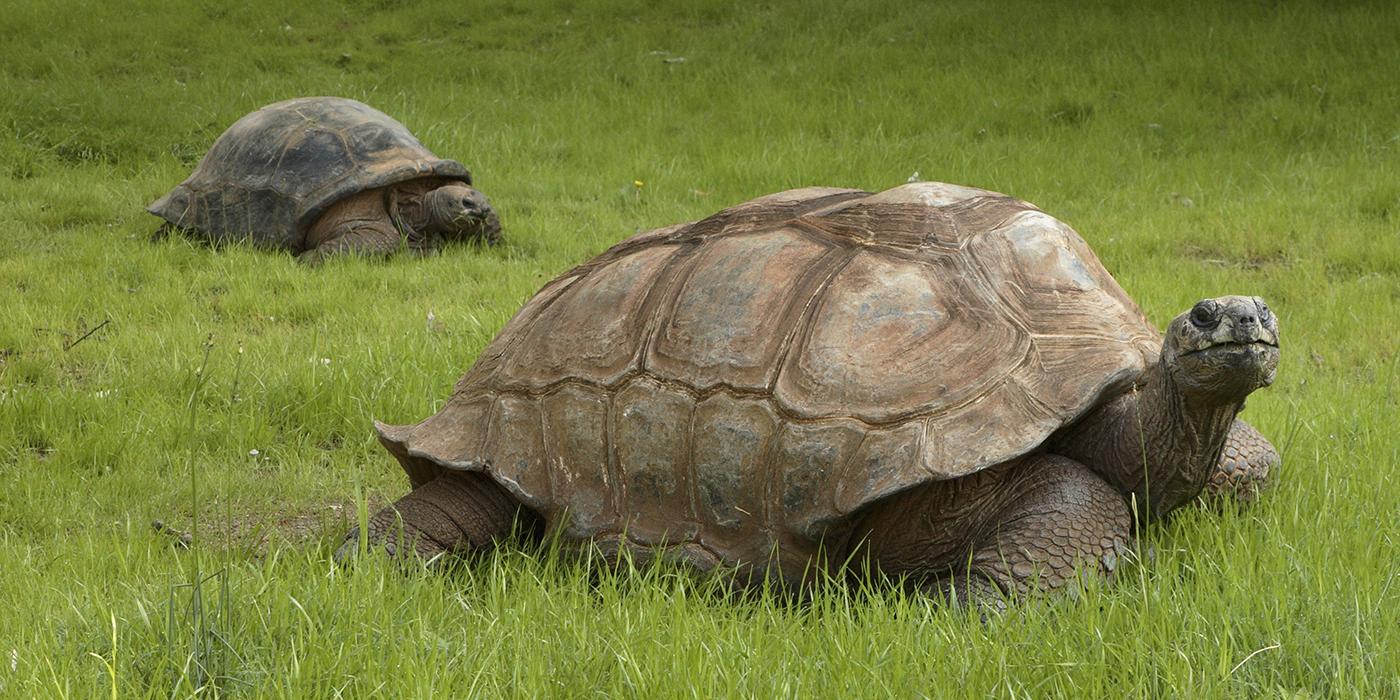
x=456 y=512
x=1031 y=524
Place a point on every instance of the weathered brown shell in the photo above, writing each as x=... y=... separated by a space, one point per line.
x=747 y=380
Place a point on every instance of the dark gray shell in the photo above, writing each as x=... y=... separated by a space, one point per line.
x=747 y=381
x=270 y=175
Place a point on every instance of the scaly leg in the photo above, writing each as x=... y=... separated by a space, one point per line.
x=1003 y=531
x=1244 y=465
x=359 y=225
x=456 y=512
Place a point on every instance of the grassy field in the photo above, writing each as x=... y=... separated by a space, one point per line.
x=1249 y=148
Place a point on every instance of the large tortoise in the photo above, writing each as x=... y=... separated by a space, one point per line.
x=942 y=382
x=318 y=176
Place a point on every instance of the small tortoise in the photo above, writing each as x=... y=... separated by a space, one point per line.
x=938 y=381
x=318 y=176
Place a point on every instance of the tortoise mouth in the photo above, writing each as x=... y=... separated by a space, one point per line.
x=1234 y=346
x=1228 y=370
x=468 y=217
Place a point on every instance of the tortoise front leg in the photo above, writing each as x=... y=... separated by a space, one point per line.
x=359 y=225
x=1065 y=520
x=456 y=512
x=1031 y=524
x=1244 y=465
x=365 y=241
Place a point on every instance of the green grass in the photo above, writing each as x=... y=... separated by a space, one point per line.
x=1234 y=148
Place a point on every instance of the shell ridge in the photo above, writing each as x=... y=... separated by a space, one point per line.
x=287 y=145
x=812 y=283
x=700 y=394
x=548 y=497
x=772 y=486
x=491 y=434
x=1018 y=208
x=630 y=246
x=757 y=216
x=614 y=481
x=831 y=202
x=692 y=473
x=548 y=455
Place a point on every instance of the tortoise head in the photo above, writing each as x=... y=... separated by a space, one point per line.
x=1223 y=348
x=458 y=212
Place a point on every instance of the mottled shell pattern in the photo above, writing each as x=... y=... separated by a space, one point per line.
x=270 y=175
x=745 y=382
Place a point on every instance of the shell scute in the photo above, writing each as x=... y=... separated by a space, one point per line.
x=881 y=465
x=1003 y=422
x=891 y=338
x=312 y=156
x=592 y=331
x=1051 y=282
x=439 y=439
x=725 y=324
x=516 y=450
x=652 y=444
x=810 y=458
x=578 y=445
x=730 y=445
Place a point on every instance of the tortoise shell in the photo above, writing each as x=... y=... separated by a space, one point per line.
x=270 y=175
x=748 y=381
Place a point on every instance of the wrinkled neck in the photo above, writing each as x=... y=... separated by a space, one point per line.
x=1154 y=443
x=411 y=211
x=1192 y=433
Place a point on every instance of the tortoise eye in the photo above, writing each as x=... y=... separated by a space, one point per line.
x=1203 y=315
x=1264 y=313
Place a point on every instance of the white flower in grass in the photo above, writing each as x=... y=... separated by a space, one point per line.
x=254 y=452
